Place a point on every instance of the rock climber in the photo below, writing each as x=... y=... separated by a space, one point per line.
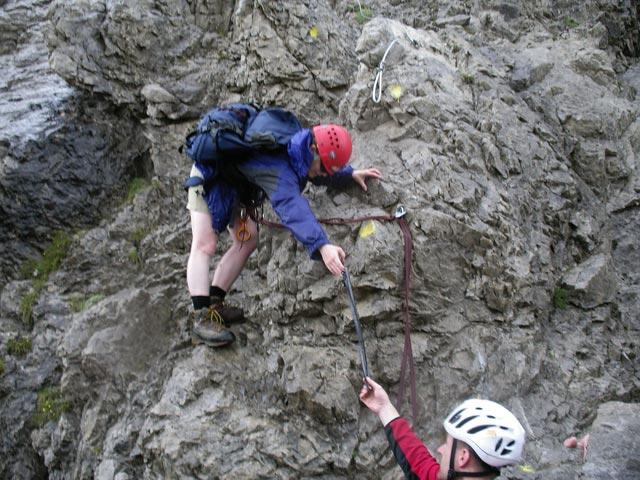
x=320 y=155
x=482 y=437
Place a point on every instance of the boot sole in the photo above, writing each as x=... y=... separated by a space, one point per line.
x=198 y=341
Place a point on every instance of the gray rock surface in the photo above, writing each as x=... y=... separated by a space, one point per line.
x=614 y=420
x=65 y=155
x=509 y=131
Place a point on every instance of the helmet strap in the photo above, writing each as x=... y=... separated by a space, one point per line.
x=451 y=474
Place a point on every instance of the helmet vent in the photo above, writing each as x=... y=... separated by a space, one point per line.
x=479 y=428
x=456 y=416
x=498 y=445
x=467 y=420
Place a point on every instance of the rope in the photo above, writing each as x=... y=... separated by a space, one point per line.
x=376 y=93
x=335 y=220
x=407 y=351
x=378 y=81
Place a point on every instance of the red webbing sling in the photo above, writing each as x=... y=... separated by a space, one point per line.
x=407 y=351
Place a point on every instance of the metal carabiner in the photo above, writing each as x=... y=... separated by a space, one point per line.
x=400 y=211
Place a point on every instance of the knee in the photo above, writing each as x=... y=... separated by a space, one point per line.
x=204 y=244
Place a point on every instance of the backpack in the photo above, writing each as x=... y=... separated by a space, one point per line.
x=227 y=134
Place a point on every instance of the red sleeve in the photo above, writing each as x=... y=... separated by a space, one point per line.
x=413 y=457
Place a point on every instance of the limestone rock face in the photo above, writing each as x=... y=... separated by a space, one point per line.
x=614 y=420
x=174 y=59
x=507 y=131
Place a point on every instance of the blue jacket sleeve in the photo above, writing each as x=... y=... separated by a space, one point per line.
x=342 y=178
x=296 y=215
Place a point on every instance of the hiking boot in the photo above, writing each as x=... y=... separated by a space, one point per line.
x=230 y=315
x=209 y=328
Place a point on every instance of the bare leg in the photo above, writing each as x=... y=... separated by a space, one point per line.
x=203 y=247
x=236 y=257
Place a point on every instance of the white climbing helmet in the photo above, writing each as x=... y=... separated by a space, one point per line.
x=492 y=431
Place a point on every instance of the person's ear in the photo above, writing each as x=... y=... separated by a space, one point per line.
x=464 y=457
x=314 y=147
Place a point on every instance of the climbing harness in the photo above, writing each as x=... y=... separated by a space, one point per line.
x=356 y=321
x=407 y=351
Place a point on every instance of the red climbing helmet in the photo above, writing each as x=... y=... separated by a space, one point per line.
x=334 y=146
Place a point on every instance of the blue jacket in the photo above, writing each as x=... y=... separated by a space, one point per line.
x=282 y=176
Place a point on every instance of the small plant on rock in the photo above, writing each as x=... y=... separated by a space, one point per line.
x=571 y=23
x=137 y=236
x=560 y=298
x=19 y=346
x=79 y=303
x=134 y=256
x=40 y=269
x=363 y=13
x=135 y=185
x=26 y=306
x=50 y=405
x=468 y=78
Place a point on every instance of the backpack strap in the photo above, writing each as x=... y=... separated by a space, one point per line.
x=193 y=182
x=196 y=181
x=215 y=126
